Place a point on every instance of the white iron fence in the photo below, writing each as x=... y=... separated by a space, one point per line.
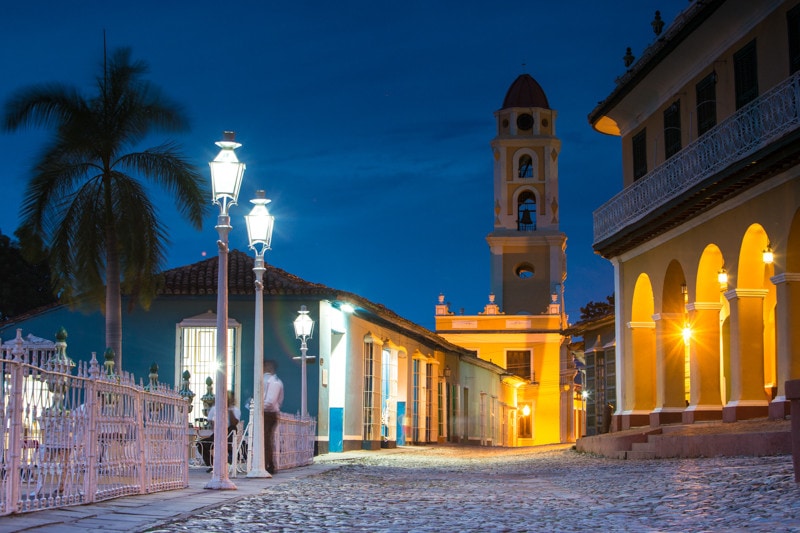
x=293 y=444
x=74 y=439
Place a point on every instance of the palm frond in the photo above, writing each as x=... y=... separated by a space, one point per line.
x=42 y=105
x=165 y=166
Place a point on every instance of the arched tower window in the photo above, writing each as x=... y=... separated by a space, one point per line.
x=526 y=212
x=525 y=166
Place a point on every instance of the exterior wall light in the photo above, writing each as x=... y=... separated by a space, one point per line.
x=687 y=333
x=767 y=255
x=722 y=278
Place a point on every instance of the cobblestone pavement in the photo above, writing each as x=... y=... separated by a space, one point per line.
x=534 y=489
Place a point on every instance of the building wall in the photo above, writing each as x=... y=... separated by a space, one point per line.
x=679 y=74
x=691 y=347
x=492 y=337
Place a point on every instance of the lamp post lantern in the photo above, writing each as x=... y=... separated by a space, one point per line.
x=226 y=179
x=303 y=330
x=259 y=232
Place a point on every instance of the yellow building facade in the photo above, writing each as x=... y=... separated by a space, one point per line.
x=521 y=327
x=705 y=234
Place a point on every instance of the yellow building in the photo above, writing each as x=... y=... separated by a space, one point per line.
x=705 y=234
x=520 y=329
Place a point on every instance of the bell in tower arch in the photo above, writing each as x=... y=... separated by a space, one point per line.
x=526 y=220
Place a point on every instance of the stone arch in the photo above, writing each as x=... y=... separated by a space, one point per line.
x=708 y=344
x=641 y=373
x=671 y=348
x=755 y=242
x=787 y=312
x=753 y=330
x=527 y=199
x=534 y=162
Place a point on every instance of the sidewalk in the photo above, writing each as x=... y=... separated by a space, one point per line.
x=147 y=511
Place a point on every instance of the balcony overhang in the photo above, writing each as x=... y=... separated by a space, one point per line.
x=726 y=184
x=757 y=142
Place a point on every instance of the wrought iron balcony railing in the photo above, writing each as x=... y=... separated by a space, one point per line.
x=762 y=121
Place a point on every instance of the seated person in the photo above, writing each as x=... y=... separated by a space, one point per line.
x=205 y=445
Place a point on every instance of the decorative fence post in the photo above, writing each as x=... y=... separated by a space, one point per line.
x=91 y=395
x=15 y=429
x=208 y=398
x=187 y=394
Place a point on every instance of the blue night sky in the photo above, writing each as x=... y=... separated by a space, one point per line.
x=367 y=122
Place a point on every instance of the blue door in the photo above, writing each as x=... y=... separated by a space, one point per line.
x=401 y=415
x=336 y=431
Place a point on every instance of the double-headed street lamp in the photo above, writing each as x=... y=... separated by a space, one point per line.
x=303 y=330
x=226 y=179
x=259 y=233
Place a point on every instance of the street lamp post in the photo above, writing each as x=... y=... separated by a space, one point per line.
x=226 y=179
x=303 y=330
x=259 y=232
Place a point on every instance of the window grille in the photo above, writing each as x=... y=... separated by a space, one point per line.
x=429 y=402
x=518 y=362
x=371 y=406
x=706 y=95
x=199 y=357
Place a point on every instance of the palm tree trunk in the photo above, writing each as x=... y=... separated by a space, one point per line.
x=113 y=297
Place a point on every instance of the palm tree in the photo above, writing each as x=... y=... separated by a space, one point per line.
x=84 y=199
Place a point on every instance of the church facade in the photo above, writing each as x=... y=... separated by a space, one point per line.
x=521 y=327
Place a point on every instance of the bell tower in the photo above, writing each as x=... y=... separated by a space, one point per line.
x=528 y=260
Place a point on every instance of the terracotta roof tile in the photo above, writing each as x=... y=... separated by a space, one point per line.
x=201 y=279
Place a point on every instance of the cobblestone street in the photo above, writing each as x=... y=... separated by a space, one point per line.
x=535 y=489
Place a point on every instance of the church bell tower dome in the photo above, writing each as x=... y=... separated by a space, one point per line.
x=525 y=92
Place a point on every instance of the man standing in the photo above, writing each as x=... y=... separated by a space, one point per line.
x=273 y=398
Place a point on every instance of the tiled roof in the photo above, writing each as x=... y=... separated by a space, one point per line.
x=201 y=279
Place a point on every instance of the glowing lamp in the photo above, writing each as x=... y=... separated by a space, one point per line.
x=526 y=410
x=687 y=333
x=303 y=324
x=767 y=255
x=260 y=223
x=226 y=172
x=722 y=278
x=303 y=330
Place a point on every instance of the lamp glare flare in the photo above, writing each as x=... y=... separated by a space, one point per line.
x=722 y=278
x=768 y=256
x=227 y=173
x=260 y=224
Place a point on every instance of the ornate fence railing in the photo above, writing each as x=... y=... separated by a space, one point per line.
x=293 y=445
x=71 y=439
x=762 y=121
